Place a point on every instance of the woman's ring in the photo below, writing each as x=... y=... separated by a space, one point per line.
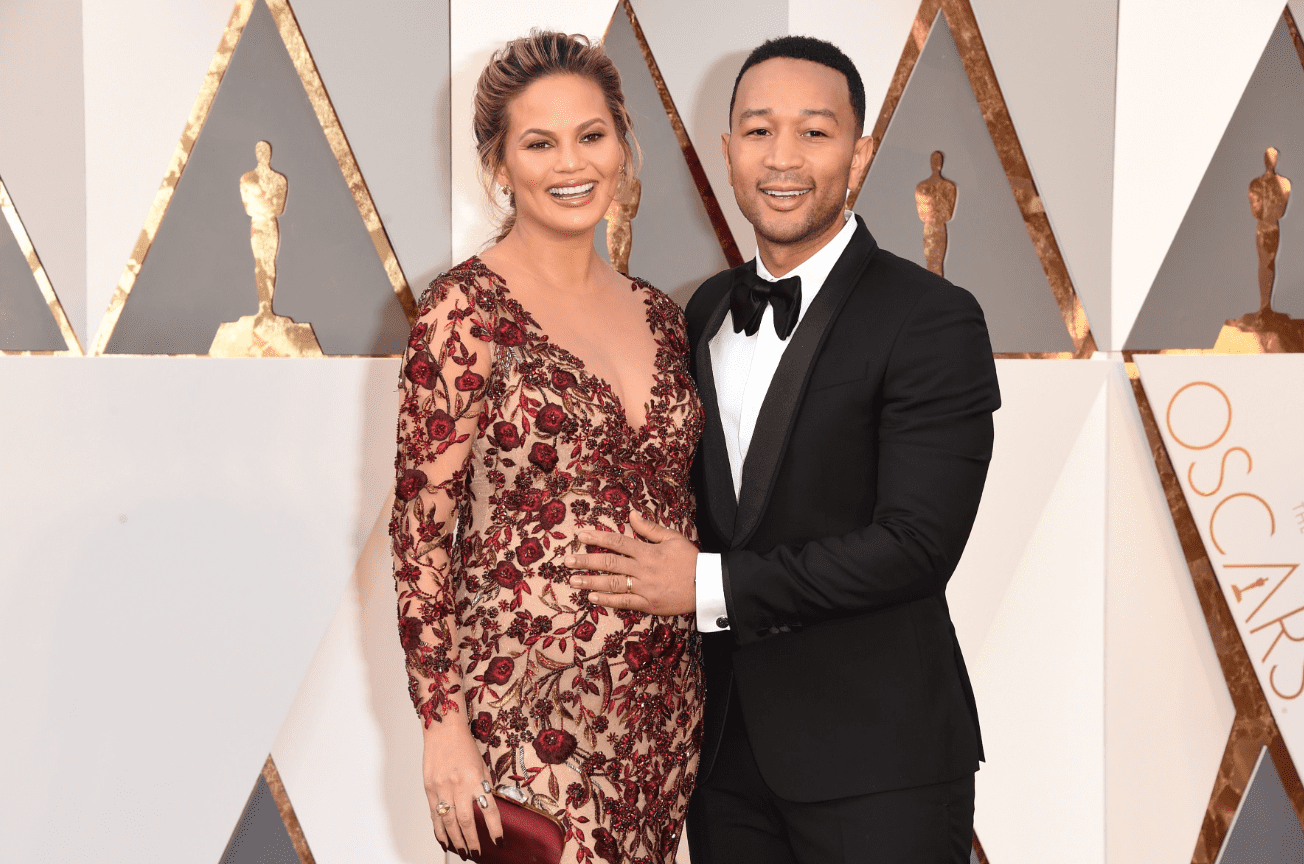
x=483 y=802
x=629 y=584
x=443 y=808
x=484 y=784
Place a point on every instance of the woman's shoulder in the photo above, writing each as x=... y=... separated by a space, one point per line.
x=662 y=307
x=472 y=280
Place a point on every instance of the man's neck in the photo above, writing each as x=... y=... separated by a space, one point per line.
x=780 y=259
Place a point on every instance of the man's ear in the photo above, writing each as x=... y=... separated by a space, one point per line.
x=861 y=153
x=724 y=151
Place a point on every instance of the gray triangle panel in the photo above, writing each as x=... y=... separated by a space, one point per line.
x=1266 y=827
x=989 y=250
x=25 y=320
x=199 y=272
x=260 y=837
x=1210 y=273
x=674 y=245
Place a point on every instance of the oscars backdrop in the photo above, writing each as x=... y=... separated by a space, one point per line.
x=217 y=219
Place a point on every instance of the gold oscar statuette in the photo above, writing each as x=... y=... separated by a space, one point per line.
x=1265 y=331
x=935 y=201
x=265 y=334
x=620 y=235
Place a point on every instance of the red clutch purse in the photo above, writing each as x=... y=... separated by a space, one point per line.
x=530 y=836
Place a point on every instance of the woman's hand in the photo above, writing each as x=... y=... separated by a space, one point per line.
x=455 y=775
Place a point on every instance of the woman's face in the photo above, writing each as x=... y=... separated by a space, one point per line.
x=562 y=156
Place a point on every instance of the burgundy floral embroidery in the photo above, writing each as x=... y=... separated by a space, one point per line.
x=506 y=575
x=549 y=419
x=482 y=725
x=409 y=632
x=440 y=425
x=554 y=746
x=499 y=670
x=506 y=436
x=418 y=334
x=636 y=654
x=421 y=370
x=543 y=456
x=468 y=380
x=508 y=447
x=551 y=514
x=410 y=482
x=606 y=846
x=508 y=333
x=615 y=496
x=562 y=380
x=529 y=551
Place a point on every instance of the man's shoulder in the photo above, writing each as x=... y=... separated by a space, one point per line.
x=909 y=278
x=704 y=300
x=907 y=284
x=710 y=292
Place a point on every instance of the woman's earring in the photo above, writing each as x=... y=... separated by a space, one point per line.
x=507 y=190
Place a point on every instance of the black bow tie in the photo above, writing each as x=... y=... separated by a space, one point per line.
x=751 y=293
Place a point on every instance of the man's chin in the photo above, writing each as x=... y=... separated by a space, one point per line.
x=788 y=234
x=780 y=231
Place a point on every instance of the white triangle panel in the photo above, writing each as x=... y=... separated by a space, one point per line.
x=186 y=529
x=350 y=750
x=1044 y=404
x=1039 y=679
x=1168 y=712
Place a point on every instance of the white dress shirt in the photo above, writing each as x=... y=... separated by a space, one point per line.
x=743 y=367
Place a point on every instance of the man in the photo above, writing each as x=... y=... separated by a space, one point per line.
x=848 y=397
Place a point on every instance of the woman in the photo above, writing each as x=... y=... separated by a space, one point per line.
x=544 y=393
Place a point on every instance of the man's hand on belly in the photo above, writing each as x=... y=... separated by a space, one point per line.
x=654 y=575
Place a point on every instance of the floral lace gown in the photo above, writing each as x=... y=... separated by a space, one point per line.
x=507 y=447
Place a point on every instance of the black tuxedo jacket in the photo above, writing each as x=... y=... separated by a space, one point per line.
x=859 y=490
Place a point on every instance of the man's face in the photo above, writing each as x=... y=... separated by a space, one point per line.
x=792 y=148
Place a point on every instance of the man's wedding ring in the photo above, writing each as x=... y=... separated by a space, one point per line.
x=483 y=802
x=629 y=584
x=443 y=808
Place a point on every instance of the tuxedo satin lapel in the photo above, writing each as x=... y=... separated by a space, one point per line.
x=718 y=477
x=779 y=408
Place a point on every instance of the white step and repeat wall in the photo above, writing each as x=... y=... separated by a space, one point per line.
x=194 y=567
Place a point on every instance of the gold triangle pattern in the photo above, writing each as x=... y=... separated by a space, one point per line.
x=982 y=77
x=42 y=281
x=292 y=36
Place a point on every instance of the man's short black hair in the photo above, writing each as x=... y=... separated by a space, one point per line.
x=816 y=51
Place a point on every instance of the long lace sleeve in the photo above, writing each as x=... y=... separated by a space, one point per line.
x=443 y=384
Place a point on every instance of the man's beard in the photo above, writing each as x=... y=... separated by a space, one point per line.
x=819 y=217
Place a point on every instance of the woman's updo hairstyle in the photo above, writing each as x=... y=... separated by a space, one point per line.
x=516 y=66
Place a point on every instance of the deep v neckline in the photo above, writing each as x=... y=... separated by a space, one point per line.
x=600 y=384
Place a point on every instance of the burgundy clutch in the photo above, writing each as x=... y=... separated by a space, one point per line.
x=530 y=836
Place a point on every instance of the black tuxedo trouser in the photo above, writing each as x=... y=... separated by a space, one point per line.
x=734 y=817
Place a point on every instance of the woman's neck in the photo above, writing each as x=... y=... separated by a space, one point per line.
x=556 y=262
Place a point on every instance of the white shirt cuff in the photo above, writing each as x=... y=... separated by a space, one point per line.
x=712 y=614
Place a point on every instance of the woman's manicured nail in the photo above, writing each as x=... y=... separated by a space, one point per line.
x=577 y=582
